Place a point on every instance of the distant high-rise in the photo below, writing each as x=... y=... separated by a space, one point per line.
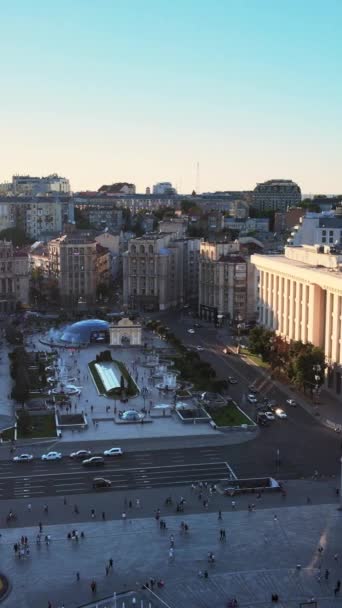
x=164 y=188
x=276 y=195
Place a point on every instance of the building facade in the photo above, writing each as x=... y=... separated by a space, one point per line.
x=73 y=263
x=14 y=277
x=164 y=188
x=276 y=195
x=317 y=229
x=160 y=271
x=224 y=281
x=33 y=186
x=300 y=297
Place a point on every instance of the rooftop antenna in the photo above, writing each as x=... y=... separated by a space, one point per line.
x=197 y=186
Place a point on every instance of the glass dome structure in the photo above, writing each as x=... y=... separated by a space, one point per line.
x=89 y=331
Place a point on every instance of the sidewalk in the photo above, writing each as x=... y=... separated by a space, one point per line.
x=260 y=556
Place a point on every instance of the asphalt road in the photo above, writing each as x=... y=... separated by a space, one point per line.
x=287 y=449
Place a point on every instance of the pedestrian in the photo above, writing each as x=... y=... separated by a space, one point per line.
x=46 y=509
x=29 y=507
x=171 y=553
x=78 y=576
x=336 y=557
x=93 y=586
x=326 y=574
x=76 y=511
x=233 y=505
x=107 y=570
x=40 y=527
x=219 y=515
x=137 y=503
x=49 y=605
x=129 y=504
x=103 y=515
x=275 y=517
x=65 y=501
x=92 y=512
x=110 y=563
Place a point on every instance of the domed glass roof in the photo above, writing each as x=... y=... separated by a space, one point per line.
x=85 y=332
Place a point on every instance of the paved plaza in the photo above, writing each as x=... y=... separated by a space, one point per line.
x=101 y=422
x=272 y=550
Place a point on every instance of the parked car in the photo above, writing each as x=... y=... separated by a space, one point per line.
x=80 y=454
x=269 y=416
x=191 y=331
x=100 y=483
x=113 y=452
x=252 y=398
x=52 y=456
x=291 y=402
x=94 y=461
x=280 y=413
x=199 y=348
x=232 y=380
x=23 y=458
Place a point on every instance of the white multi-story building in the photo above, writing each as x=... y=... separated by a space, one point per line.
x=276 y=195
x=164 y=188
x=300 y=297
x=32 y=186
x=317 y=229
x=226 y=283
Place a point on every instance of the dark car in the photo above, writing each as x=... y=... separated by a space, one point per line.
x=95 y=461
x=100 y=482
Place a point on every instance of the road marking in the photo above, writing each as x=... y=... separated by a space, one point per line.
x=106 y=471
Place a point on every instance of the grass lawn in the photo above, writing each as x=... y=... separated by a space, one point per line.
x=41 y=425
x=257 y=360
x=229 y=415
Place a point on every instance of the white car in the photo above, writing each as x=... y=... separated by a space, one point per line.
x=113 y=452
x=23 y=458
x=232 y=380
x=199 y=348
x=280 y=413
x=269 y=416
x=252 y=398
x=191 y=331
x=291 y=402
x=52 y=456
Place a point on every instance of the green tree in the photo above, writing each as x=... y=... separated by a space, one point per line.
x=25 y=422
x=261 y=341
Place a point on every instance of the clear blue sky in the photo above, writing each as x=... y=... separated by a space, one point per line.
x=142 y=90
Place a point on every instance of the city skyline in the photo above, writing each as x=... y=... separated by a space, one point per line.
x=144 y=93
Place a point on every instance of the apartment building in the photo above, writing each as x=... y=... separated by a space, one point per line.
x=226 y=285
x=14 y=277
x=73 y=263
x=300 y=297
x=36 y=216
x=276 y=195
x=33 y=186
x=160 y=271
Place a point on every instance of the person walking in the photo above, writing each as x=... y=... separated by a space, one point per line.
x=326 y=574
x=233 y=505
x=110 y=563
x=78 y=576
x=219 y=515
